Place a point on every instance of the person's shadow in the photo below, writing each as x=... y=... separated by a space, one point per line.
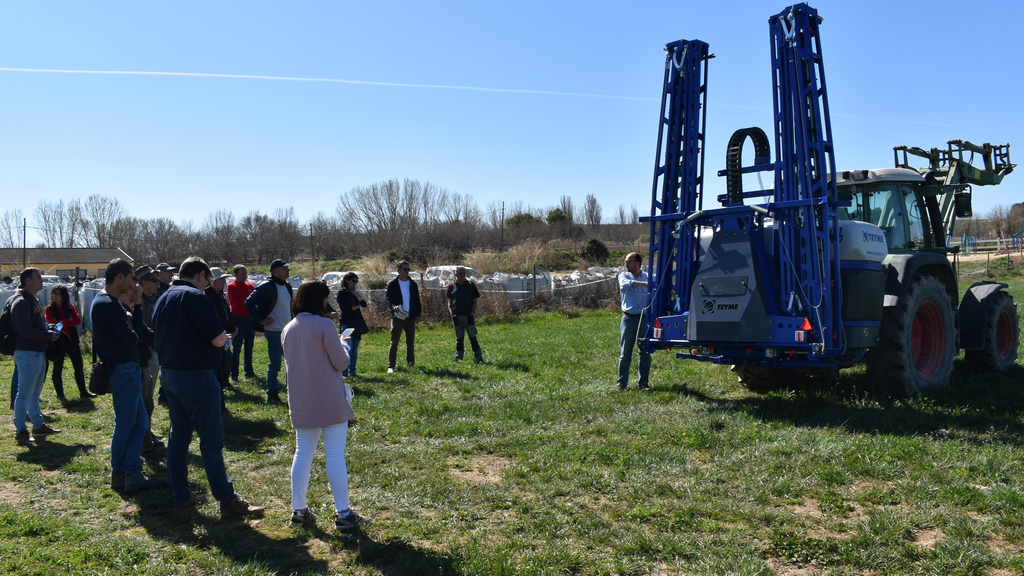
x=51 y=455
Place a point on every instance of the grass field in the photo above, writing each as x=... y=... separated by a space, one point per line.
x=535 y=464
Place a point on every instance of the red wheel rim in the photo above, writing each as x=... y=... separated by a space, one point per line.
x=928 y=340
x=1004 y=335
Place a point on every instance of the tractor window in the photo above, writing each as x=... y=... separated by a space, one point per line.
x=914 y=219
x=883 y=209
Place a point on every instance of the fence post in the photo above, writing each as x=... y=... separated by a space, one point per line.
x=535 y=282
x=988 y=259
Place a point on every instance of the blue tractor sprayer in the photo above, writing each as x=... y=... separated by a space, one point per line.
x=838 y=267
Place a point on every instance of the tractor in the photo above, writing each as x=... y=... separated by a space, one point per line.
x=837 y=268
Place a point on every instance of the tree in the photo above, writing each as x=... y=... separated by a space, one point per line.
x=557 y=216
x=10 y=229
x=61 y=224
x=595 y=251
x=591 y=211
x=254 y=231
x=523 y=218
x=101 y=213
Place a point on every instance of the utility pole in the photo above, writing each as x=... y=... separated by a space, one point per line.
x=24 y=243
x=312 y=253
x=502 y=226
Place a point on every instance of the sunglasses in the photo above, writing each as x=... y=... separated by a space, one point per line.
x=404 y=269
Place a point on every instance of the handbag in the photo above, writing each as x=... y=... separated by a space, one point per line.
x=99 y=379
x=359 y=326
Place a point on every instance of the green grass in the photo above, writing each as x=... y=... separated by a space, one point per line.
x=535 y=464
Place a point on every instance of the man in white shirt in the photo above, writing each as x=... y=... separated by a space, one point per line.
x=403 y=297
x=270 y=308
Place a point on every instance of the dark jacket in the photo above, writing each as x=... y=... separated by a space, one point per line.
x=261 y=302
x=184 y=323
x=29 y=323
x=221 y=306
x=140 y=325
x=394 y=296
x=113 y=340
x=347 y=301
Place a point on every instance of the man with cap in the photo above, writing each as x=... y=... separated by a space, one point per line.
x=270 y=308
x=146 y=277
x=164 y=275
x=215 y=292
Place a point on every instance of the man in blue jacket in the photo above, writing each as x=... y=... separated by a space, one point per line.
x=270 y=309
x=34 y=336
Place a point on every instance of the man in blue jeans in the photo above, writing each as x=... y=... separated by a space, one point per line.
x=115 y=343
x=270 y=309
x=189 y=343
x=633 y=291
x=30 y=356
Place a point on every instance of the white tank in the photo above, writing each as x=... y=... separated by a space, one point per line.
x=861 y=241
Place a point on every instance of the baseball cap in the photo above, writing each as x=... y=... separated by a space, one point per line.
x=144 y=273
x=164 y=267
x=278 y=263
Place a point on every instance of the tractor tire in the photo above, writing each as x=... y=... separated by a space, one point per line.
x=1002 y=337
x=918 y=341
x=765 y=379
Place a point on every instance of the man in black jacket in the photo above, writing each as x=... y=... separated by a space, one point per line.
x=215 y=292
x=270 y=309
x=34 y=336
x=189 y=342
x=403 y=297
x=115 y=343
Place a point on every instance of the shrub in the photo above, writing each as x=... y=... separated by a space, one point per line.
x=595 y=251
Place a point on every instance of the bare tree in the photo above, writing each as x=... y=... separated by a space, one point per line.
x=219 y=236
x=591 y=211
x=10 y=229
x=634 y=216
x=60 y=223
x=286 y=240
x=101 y=213
x=620 y=216
x=255 y=230
x=565 y=203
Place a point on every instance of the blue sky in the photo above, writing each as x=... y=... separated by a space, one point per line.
x=916 y=73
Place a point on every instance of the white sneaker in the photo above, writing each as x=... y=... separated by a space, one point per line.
x=391 y=370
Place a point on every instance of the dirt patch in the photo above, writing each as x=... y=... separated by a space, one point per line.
x=1001 y=546
x=926 y=538
x=783 y=569
x=821 y=534
x=10 y=492
x=809 y=508
x=480 y=470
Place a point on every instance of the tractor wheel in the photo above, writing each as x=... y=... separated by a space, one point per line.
x=1002 y=337
x=917 y=343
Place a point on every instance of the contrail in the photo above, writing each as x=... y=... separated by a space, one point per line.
x=330 y=80
x=405 y=85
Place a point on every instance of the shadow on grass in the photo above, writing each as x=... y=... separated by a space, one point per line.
x=51 y=455
x=362 y=391
x=510 y=365
x=446 y=373
x=80 y=405
x=395 y=558
x=237 y=540
x=241 y=434
x=985 y=405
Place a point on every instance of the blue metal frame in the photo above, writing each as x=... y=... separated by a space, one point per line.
x=800 y=272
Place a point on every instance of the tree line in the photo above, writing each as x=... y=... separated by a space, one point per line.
x=391 y=215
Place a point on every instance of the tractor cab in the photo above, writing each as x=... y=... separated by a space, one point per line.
x=893 y=200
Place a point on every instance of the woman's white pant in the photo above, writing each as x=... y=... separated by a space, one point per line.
x=306 y=441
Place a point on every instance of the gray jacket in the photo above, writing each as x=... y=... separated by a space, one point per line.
x=29 y=323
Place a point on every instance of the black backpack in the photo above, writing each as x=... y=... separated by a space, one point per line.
x=8 y=337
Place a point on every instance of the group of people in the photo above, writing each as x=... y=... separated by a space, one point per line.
x=148 y=326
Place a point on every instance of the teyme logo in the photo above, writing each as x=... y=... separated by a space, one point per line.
x=871 y=237
x=709 y=307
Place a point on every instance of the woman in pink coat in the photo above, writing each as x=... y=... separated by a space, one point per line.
x=317 y=403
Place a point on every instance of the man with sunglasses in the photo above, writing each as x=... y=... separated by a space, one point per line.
x=633 y=291
x=403 y=297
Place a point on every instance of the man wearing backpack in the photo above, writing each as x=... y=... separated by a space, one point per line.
x=33 y=338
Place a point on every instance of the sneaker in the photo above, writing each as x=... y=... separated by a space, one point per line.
x=620 y=386
x=391 y=370
x=300 y=517
x=345 y=522
x=241 y=508
x=193 y=501
x=136 y=481
x=44 y=430
x=644 y=388
x=23 y=437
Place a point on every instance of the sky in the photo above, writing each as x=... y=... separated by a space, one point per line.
x=576 y=111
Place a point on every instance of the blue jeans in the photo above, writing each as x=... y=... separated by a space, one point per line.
x=31 y=367
x=627 y=341
x=193 y=404
x=131 y=421
x=245 y=338
x=353 y=353
x=276 y=352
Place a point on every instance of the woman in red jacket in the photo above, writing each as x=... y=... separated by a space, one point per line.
x=62 y=310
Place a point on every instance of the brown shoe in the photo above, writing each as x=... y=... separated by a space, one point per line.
x=241 y=508
x=44 y=430
x=23 y=437
x=193 y=501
